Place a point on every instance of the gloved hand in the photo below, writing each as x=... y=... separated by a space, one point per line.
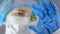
x=48 y=15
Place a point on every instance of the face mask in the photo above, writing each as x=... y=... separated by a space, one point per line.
x=19 y=20
x=19 y=24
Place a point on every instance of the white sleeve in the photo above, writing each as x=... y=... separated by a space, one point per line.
x=57 y=32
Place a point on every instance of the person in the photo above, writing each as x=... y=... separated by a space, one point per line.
x=16 y=16
x=46 y=23
x=7 y=6
x=18 y=21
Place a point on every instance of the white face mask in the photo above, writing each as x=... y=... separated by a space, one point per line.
x=20 y=24
x=19 y=20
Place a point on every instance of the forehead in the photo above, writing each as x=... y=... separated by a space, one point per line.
x=25 y=11
x=22 y=10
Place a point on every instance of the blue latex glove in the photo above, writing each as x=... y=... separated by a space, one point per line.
x=48 y=15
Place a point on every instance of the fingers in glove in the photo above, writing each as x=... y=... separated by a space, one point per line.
x=37 y=13
x=47 y=6
x=55 y=9
x=39 y=8
x=36 y=29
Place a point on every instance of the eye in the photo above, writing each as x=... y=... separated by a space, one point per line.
x=19 y=14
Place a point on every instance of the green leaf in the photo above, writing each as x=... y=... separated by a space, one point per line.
x=32 y=18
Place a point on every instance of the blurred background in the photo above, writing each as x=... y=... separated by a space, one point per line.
x=2 y=28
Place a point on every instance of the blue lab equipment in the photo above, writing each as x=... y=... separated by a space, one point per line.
x=48 y=17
